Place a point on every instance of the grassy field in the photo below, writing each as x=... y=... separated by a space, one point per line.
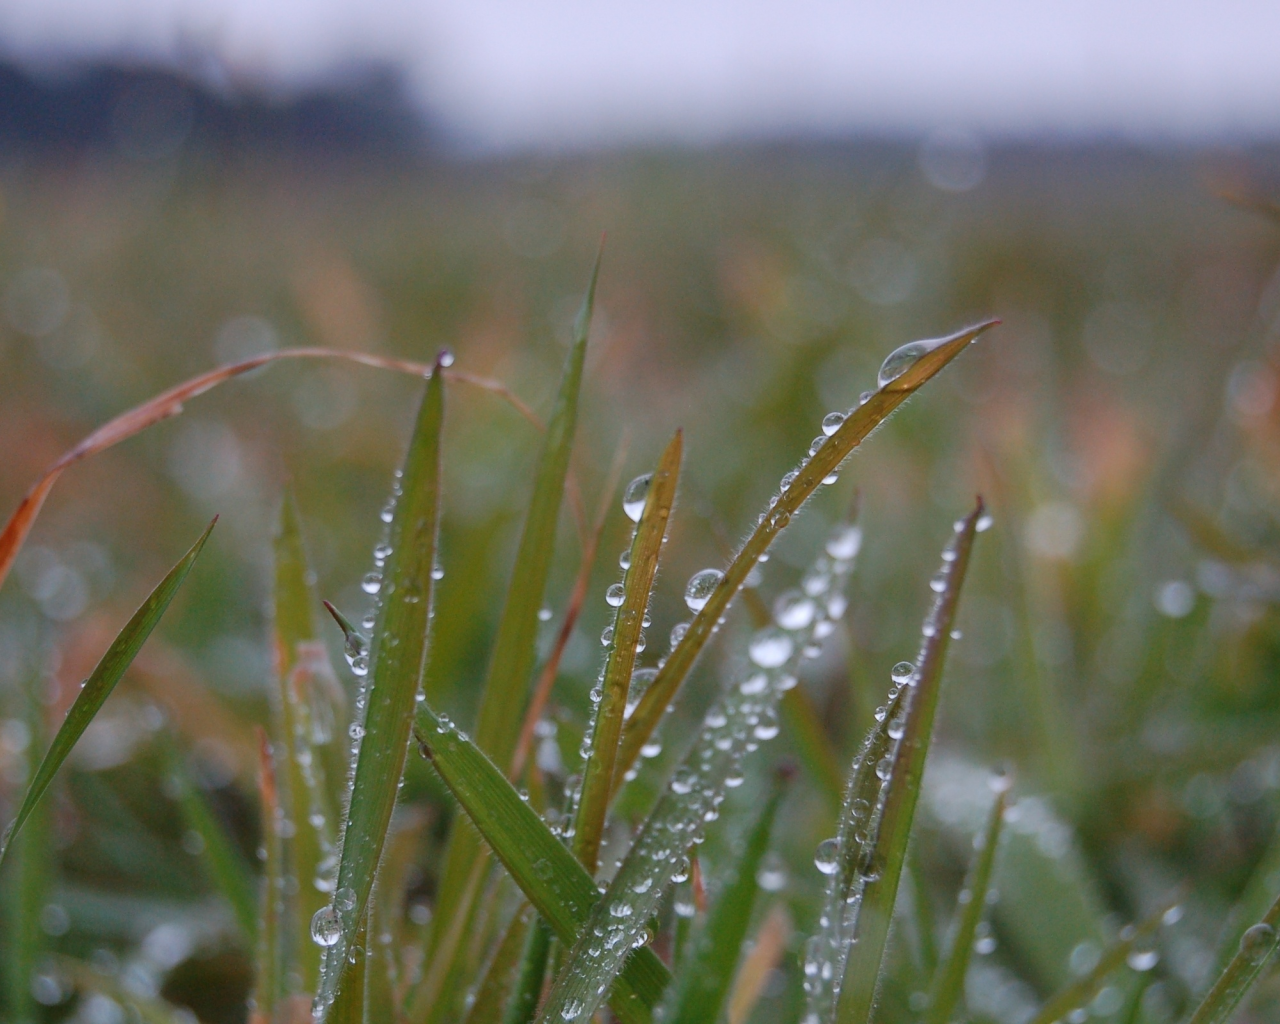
x=1118 y=646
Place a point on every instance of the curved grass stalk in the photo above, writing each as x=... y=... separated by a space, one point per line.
x=744 y=716
x=97 y=688
x=382 y=726
x=903 y=774
x=808 y=477
x=1256 y=946
x=646 y=548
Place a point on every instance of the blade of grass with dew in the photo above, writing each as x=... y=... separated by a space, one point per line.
x=499 y=979
x=533 y=972
x=758 y=964
x=705 y=975
x=504 y=692
x=1255 y=948
x=646 y=548
x=904 y=372
x=745 y=715
x=307 y=802
x=97 y=688
x=1083 y=989
x=848 y=858
x=902 y=787
x=552 y=879
x=349 y=1005
x=269 y=985
x=399 y=653
x=948 y=984
x=226 y=868
x=29 y=882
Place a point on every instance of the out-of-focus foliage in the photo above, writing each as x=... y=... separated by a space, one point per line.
x=1120 y=636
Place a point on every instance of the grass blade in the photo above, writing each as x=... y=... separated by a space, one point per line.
x=305 y=717
x=808 y=477
x=706 y=974
x=948 y=986
x=500 y=980
x=1083 y=989
x=765 y=955
x=547 y=872
x=646 y=547
x=735 y=725
x=1255 y=949
x=902 y=789
x=30 y=879
x=533 y=972
x=503 y=695
x=269 y=985
x=98 y=686
x=225 y=866
x=399 y=654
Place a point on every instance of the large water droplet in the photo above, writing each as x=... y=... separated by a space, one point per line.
x=903 y=673
x=701 y=586
x=827 y=857
x=633 y=497
x=326 y=927
x=794 y=610
x=901 y=359
x=845 y=542
x=1257 y=941
x=831 y=422
x=770 y=648
x=614 y=596
x=372 y=583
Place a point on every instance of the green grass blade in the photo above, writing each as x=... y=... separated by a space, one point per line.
x=98 y=686
x=948 y=986
x=1080 y=991
x=547 y=872
x=533 y=971
x=1254 y=950
x=902 y=789
x=398 y=657
x=231 y=876
x=348 y=1007
x=503 y=695
x=500 y=976
x=745 y=715
x=269 y=985
x=646 y=548
x=807 y=479
x=29 y=881
x=854 y=844
x=303 y=720
x=706 y=974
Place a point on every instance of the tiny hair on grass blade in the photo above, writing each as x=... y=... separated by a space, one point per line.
x=806 y=479
x=97 y=688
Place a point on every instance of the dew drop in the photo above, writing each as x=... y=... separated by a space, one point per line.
x=606 y=636
x=544 y=614
x=817 y=443
x=845 y=542
x=1142 y=959
x=984 y=522
x=770 y=648
x=772 y=876
x=826 y=858
x=677 y=633
x=901 y=359
x=372 y=583
x=634 y=497
x=571 y=1009
x=903 y=673
x=437 y=572
x=831 y=422
x=701 y=586
x=794 y=610
x=614 y=596
x=326 y=927
x=1257 y=941
x=445 y=358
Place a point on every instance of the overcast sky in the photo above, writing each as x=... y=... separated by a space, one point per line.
x=504 y=73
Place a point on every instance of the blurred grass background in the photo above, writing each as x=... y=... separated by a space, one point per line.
x=1121 y=642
